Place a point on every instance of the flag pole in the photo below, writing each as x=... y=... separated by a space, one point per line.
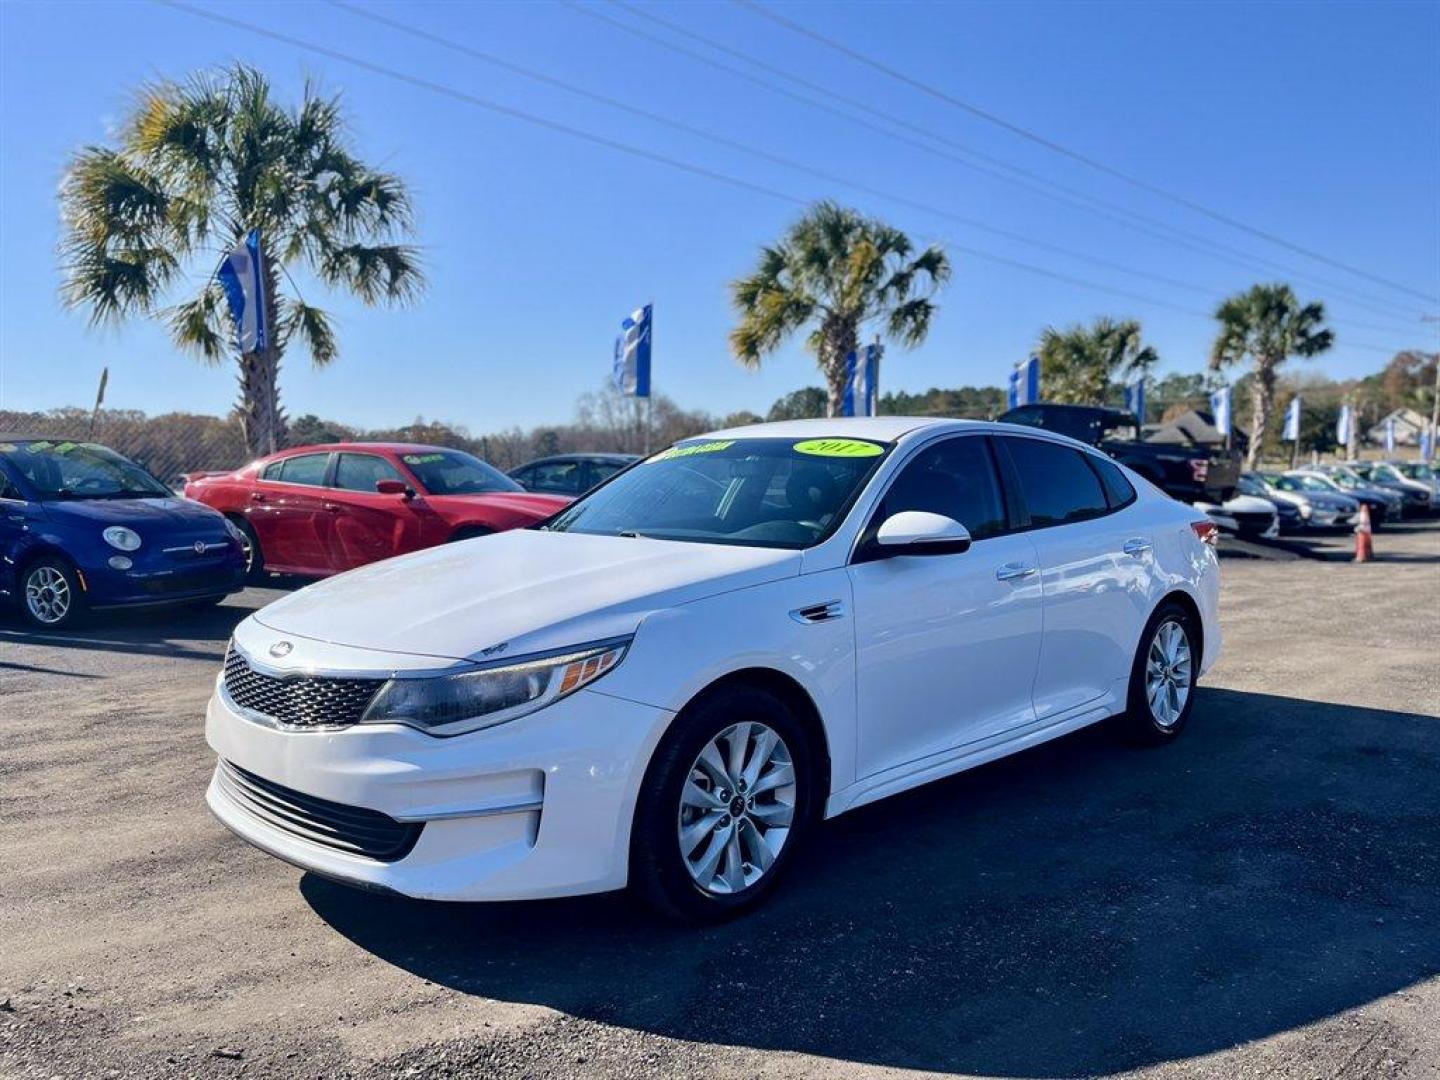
x=99 y=400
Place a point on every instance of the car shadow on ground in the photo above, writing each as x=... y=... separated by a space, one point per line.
x=179 y=631
x=1081 y=908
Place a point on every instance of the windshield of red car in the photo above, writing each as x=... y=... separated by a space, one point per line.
x=71 y=470
x=454 y=472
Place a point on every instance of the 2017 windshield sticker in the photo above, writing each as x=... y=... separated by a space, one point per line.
x=694 y=448
x=843 y=448
x=7 y=448
x=65 y=447
x=422 y=459
x=37 y=447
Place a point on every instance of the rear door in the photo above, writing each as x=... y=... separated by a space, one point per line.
x=288 y=514
x=946 y=645
x=1097 y=572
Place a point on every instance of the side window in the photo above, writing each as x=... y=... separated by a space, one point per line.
x=8 y=490
x=955 y=478
x=360 y=472
x=1057 y=485
x=304 y=469
x=604 y=470
x=523 y=476
x=271 y=471
x=1118 y=489
x=560 y=477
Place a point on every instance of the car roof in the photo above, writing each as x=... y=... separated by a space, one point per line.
x=877 y=428
x=583 y=455
x=392 y=447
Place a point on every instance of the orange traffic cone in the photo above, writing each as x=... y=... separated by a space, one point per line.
x=1364 y=551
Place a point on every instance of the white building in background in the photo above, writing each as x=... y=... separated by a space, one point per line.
x=1408 y=426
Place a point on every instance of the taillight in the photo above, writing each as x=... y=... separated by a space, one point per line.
x=1199 y=469
x=1207 y=532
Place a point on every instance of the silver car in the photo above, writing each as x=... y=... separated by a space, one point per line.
x=1414 y=482
x=1320 y=505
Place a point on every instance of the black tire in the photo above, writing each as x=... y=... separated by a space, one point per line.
x=1140 y=720
x=47 y=566
x=658 y=872
x=255 y=573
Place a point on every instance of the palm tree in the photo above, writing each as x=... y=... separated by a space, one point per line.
x=1269 y=325
x=836 y=270
x=196 y=167
x=1081 y=363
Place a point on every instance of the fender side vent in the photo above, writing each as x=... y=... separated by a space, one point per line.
x=818 y=613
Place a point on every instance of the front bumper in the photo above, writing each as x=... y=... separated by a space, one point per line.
x=538 y=807
x=155 y=579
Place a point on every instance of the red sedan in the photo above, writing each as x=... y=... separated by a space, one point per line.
x=318 y=510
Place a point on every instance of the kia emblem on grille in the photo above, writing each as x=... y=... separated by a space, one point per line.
x=281 y=648
x=200 y=547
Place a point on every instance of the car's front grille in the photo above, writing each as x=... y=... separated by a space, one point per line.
x=351 y=829
x=297 y=700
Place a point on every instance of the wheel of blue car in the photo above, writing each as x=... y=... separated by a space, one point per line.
x=726 y=801
x=50 y=594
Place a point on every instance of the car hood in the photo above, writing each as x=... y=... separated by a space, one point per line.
x=139 y=514
x=536 y=507
x=517 y=592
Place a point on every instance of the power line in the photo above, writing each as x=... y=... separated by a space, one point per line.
x=1013 y=174
x=1065 y=151
x=614 y=144
x=753 y=151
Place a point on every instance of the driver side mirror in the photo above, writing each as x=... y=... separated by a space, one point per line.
x=919 y=532
x=394 y=487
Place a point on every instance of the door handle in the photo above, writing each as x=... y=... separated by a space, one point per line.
x=334 y=508
x=1137 y=547
x=1013 y=571
x=256 y=496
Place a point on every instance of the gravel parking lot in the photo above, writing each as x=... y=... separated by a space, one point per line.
x=1262 y=899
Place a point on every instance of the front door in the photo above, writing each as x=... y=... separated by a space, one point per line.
x=946 y=645
x=365 y=525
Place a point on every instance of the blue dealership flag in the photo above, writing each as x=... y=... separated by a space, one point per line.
x=1135 y=398
x=862 y=378
x=1427 y=445
x=1390 y=433
x=1220 y=408
x=240 y=277
x=1344 y=423
x=631 y=366
x=1025 y=383
x=1292 y=421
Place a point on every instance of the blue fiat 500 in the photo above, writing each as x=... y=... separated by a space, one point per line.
x=82 y=527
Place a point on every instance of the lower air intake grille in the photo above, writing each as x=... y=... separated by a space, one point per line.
x=353 y=830
x=298 y=700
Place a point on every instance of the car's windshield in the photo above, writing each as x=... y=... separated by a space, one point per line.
x=1248 y=486
x=1417 y=472
x=1318 y=483
x=1386 y=472
x=72 y=470
x=454 y=472
x=768 y=492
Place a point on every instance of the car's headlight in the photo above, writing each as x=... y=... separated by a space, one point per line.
x=121 y=538
x=470 y=700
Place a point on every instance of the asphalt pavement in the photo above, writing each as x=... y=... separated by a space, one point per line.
x=1260 y=899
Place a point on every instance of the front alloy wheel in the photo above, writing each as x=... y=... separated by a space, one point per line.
x=736 y=808
x=728 y=797
x=50 y=595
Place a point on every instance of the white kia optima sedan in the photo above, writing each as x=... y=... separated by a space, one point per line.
x=671 y=682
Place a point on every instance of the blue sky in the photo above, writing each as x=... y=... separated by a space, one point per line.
x=1317 y=122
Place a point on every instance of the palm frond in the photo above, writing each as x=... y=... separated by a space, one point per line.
x=202 y=325
x=313 y=327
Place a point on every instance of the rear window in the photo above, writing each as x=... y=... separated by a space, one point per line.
x=1057 y=484
x=306 y=469
x=1118 y=489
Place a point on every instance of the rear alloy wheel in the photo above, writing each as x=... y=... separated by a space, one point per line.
x=250 y=546
x=727 y=798
x=1162 y=680
x=50 y=596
